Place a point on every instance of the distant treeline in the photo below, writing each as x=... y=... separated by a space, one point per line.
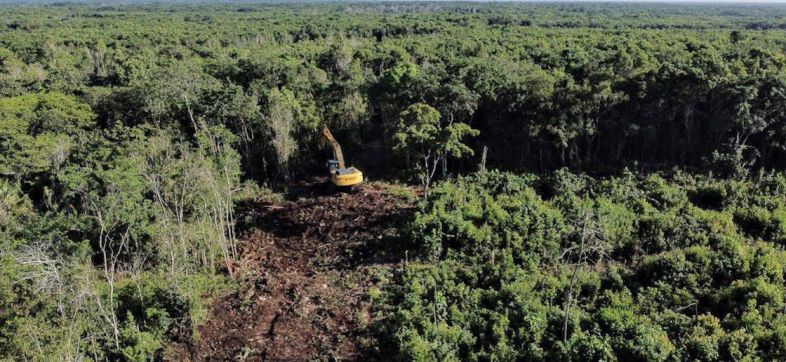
x=547 y=85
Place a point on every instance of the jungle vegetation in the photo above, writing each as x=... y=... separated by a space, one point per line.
x=605 y=181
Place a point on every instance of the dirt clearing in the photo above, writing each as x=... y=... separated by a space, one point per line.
x=305 y=272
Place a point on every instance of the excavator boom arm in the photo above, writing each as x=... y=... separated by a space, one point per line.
x=342 y=175
x=327 y=137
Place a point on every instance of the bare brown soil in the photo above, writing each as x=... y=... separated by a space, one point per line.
x=305 y=272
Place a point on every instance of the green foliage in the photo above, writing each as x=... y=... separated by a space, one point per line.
x=418 y=129
x=127 y=131
x=38 y=132
x=421 y=134
x=585 y=86
x=285 y=116
x=488 y=216
x=647 y=275
x=86 y=235
x=763 y=223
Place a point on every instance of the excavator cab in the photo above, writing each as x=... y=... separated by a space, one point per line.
x=340 y=175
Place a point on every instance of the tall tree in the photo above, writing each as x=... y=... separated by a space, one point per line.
x=421 y=134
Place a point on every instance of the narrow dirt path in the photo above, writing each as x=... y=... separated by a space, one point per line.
x=305 y=273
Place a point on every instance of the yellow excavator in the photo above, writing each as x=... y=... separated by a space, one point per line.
x=340 y=175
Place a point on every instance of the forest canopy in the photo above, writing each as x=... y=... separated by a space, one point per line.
x=602 y=181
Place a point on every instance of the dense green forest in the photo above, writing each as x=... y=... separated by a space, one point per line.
x=608 y=178
x=565 y=267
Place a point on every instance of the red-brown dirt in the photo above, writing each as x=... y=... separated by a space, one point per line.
x=305 y=272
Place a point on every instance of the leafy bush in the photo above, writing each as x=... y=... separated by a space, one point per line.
x=487 y=217
x=617 y=269
x=760 y=222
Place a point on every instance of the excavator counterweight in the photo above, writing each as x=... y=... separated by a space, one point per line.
x=340 y=175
